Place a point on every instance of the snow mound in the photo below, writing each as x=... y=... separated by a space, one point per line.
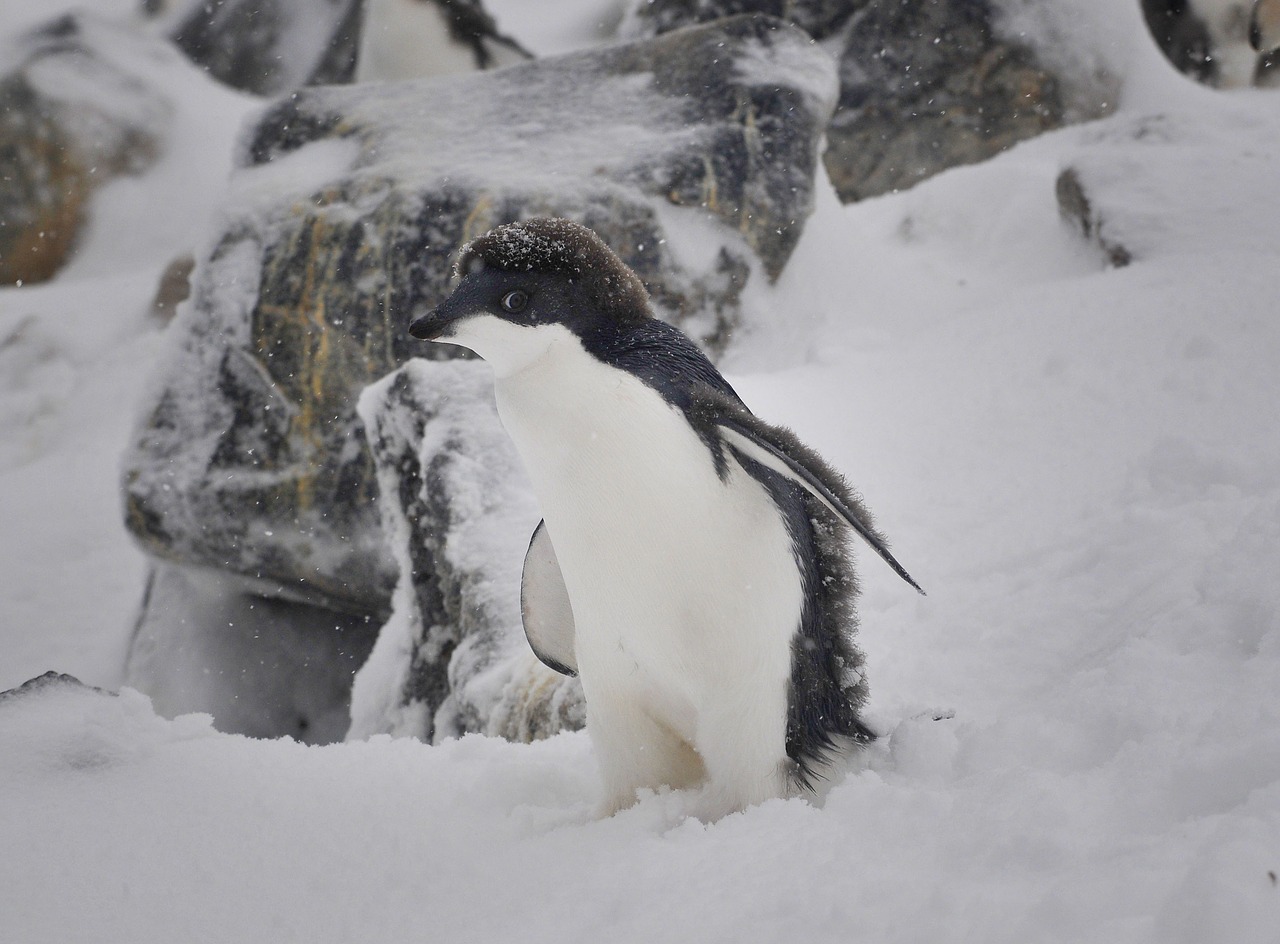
x=53 y=726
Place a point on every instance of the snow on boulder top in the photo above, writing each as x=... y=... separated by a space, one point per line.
x=712 y=116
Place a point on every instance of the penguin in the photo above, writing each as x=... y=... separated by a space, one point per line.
x=692 y=566
x=406 y=39
x=1264 y=26
x=1214 y=41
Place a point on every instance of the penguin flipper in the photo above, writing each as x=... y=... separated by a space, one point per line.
x=545 y=609
x=779 y=450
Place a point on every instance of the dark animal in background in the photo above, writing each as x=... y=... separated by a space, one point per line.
x=1217 y=41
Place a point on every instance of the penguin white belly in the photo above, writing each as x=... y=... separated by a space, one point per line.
x=685 y=591
x=406 y=39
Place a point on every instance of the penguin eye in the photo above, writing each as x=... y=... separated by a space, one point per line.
x=515 y=301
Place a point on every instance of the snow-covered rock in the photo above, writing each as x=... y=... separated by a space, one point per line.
x=75 y=111
x=1075 y=206
x=270 y=46
x=692 y=154
x=50 y=681
x=725 y=118
x=55 y=725
x=923 y=86
x=928 y=86
x=458 y=512
x=407 y=39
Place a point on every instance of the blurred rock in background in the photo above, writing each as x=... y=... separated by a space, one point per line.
x=74 y=113
x=266 y=46
x=924 y=86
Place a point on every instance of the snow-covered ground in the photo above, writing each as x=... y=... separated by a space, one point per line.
x=1079 y=463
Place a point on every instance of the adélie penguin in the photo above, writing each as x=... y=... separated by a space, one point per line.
x=692 y=565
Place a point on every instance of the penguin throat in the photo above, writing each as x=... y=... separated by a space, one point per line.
x=508 y=348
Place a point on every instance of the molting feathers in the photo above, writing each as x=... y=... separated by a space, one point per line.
x=563 y=247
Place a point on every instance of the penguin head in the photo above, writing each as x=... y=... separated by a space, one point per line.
x=526 y=286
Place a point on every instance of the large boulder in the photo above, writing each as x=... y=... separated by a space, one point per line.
x=692 y=154
x=75 y=112
x=458 y=513
x=929 y=86
x=924 y=86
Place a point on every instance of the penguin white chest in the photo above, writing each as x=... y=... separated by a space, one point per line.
x=684 y=585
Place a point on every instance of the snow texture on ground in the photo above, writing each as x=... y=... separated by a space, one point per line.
x=1078 y=462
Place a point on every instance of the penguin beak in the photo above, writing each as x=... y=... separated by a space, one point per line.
x=432 y=325
x=426 y=327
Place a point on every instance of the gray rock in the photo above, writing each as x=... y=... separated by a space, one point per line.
x=927 y=86
x=692 y=154
x=458 y=512
x=261 y=667
x=1076 y=208
x=924 y=86
x=725 y=117
x=174 y=287
x=271 y=46
x=74 y=114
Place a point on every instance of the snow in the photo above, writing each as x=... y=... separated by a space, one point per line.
x=1079 y=463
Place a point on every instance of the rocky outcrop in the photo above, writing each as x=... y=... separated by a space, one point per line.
x=271 y=46
x=74 y=113
x=458 y=513
x=928 y=86
x=923 y=86
x=692 y=155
